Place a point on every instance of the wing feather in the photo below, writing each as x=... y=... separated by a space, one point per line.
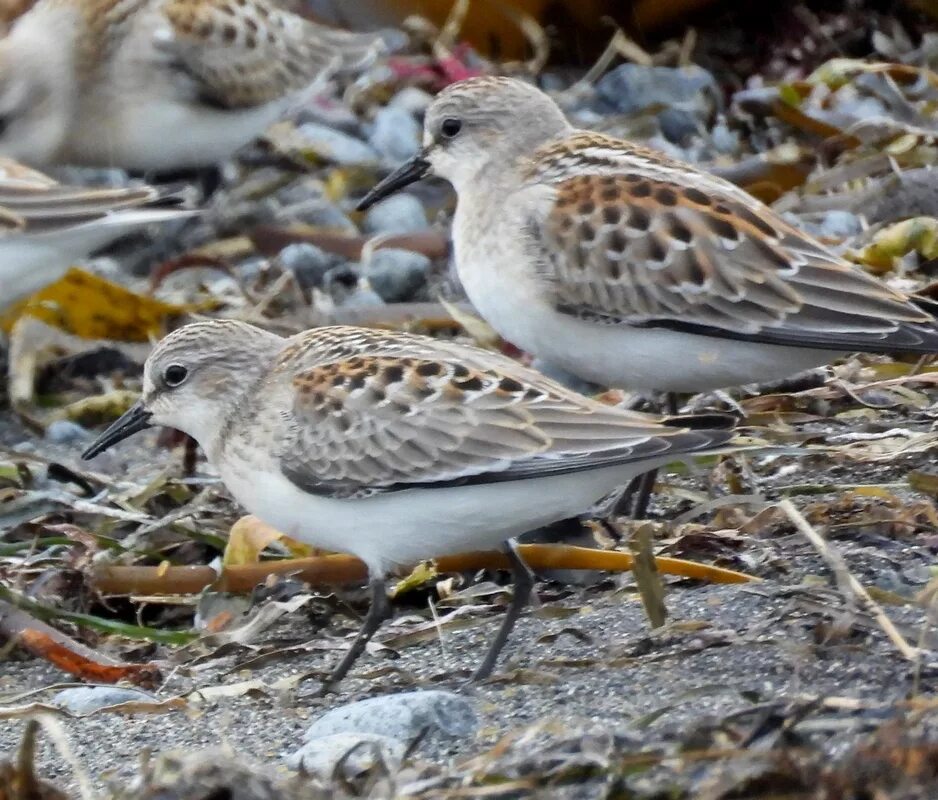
x=244 y=53
x=415 y=412
x=633 y=238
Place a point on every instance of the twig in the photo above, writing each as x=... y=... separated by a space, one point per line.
x=846 y=582
x=336 y=570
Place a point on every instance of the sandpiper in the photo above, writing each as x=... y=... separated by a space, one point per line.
x=46 y=226
x=628 y=268
x=159 y=85
x=396 y=447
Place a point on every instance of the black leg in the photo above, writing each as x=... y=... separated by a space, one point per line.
x=380 y=611
x=623 y=506
x=643 y=496
x=671 y=403
x=633 y=502
x=523 y=580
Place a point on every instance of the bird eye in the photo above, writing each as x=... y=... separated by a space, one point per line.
x=174 y=375
x=450 y=127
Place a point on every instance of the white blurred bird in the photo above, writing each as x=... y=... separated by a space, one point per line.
x=159 y=84
x=46 y=226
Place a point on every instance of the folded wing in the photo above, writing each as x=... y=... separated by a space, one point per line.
x=405 y=418
x=632 y=238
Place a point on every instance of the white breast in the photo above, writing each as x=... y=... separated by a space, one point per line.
x=405 y=527
x=502 y=282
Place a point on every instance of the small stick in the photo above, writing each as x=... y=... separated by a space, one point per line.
x=846 y=582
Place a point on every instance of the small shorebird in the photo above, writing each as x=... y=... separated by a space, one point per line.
x=628 y=268
x=395 y=447
x=159 y=85
x=631 y=269
x=46 y=226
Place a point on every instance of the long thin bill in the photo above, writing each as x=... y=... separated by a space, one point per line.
x=135 y=419
x=406 y=174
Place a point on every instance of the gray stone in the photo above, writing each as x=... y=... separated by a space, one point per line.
x=348 y=289
x=308 y=263
x=335 y=146
x=412 y=100
x=395 y=134
x=319 y=213
x=85 y=699
x=838 y=224
x=679 y=125
x=633 y=88
x=397 y=275
x=64 y=431
x=358 y=751
x=723 y=138
x=401 y=717
x=833 y=224
x=400 y=213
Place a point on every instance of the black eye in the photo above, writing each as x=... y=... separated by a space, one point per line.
x=174 y=375
x=450 y=127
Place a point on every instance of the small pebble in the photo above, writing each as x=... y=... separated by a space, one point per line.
x=402 y=716
x=838 y=224
x=308 y=263
x=348 y=289
x=400 y=213
x=632 y=88
x=319 y=213
x=358 y=751
x=397 y=275
x=64 y=431
x=337 y=147
x=85 y=699
x=413 y=100
x=395 y=134
x=678 y=125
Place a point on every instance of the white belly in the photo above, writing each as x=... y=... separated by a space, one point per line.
x=402 y=528
x=160 y=134
x=646 y=359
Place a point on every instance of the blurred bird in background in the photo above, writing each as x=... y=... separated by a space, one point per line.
x=160 y=85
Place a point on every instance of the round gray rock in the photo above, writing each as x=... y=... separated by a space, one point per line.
x=85 y=699
x=395 y=134
x=308 y=263
x=400 y=213
x=338 y=147
x=397 y=275
x=63 y=431
x=401 y=717
x=359 y=752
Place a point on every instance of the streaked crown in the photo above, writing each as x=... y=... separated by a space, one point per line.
x=489 y=119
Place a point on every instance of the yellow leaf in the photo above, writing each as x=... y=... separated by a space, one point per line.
x=481 y=332
x=301 y=550
x=249 y=536
x=246 y=541
x=90 y=307
x=419 y=575
x=919 y=234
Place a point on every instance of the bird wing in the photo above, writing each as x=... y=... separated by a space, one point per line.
x=412 y=414
x=631 y=237
x=244 y=53
x=32 y=203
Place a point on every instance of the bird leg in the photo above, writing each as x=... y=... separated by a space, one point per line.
x=634 y=500
x=523 y=580
x=379 y=611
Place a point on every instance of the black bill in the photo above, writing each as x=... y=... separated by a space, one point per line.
x=135 y=419
x=408 y=173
